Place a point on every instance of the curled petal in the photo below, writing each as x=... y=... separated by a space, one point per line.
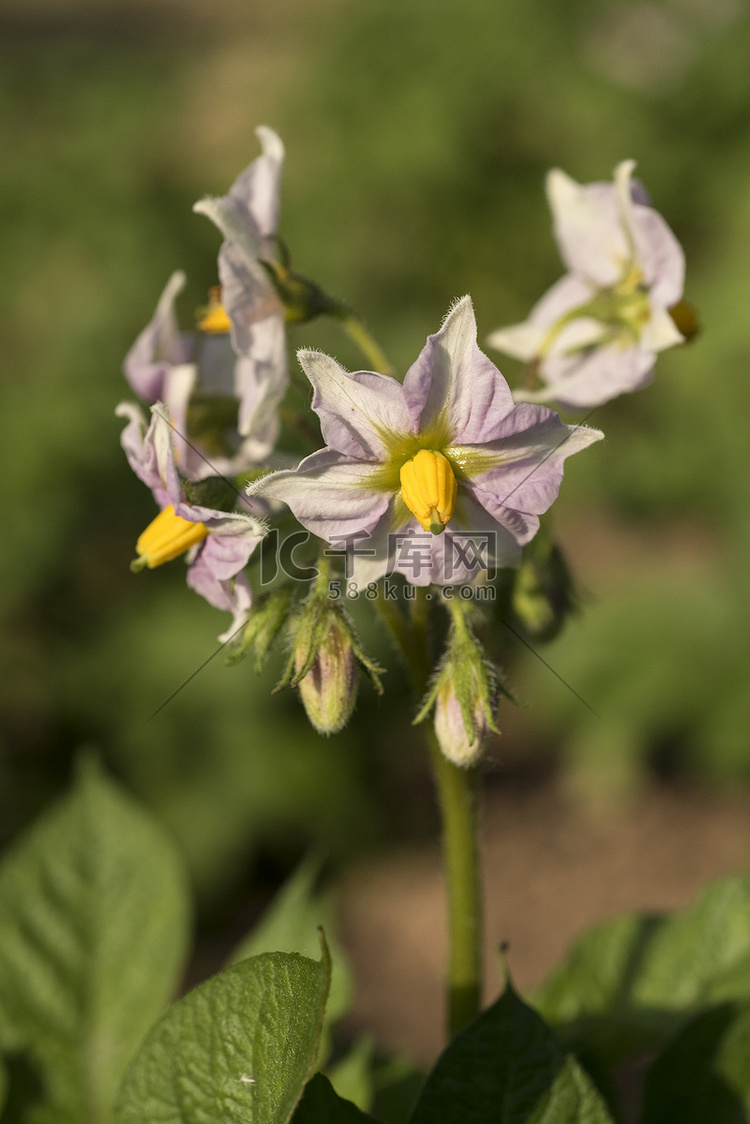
x=158 y=347
x=247 y=216
x=149 y=451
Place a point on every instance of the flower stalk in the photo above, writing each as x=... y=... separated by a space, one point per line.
x=457 y=793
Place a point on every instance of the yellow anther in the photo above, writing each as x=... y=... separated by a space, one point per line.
x=428 y=488
x=167 y=537
x=214 y=319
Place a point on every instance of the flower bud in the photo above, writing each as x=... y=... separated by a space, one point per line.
x=461 y=742
x=263 y=626
x=543 y=594
x=463 y=694
x=329 y=689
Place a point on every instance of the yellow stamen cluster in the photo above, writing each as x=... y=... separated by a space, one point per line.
x=428 y=488
x=214 y=319
x=167 y=537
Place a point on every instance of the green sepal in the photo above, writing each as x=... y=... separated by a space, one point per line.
x=266 y=621
x=215 y=492
x=303 y=300
x=467 y=671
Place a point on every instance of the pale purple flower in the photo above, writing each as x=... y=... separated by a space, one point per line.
x=169 y=366
x=454 y=403
x=596 y=333
x=226 y=539
x=248 y=217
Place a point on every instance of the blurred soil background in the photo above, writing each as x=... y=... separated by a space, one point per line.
x=418 y=136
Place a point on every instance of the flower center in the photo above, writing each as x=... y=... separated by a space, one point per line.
x=213 y=318
x=428 y=488
x=166 y=537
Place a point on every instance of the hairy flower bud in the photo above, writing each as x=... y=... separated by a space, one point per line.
x=329 y=689
x=463 y=694
x=461 y=742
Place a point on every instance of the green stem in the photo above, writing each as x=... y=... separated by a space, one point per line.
x=369 y=347
x=457 y=792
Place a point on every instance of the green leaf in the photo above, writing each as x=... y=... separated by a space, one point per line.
x=352 y=1075
x=703 y=1075
x=93 y=932
x=630 y=982
x=506 y=1068
x=397 y=1086
x=320 y=1104
x=235 y=1050
x=291 y=924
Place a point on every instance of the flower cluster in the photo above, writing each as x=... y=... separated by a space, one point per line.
x=436 y=480
x=596 y=333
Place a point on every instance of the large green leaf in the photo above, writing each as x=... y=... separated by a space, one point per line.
x=506 y=1068
x=291 y=924
x=236 y=1050
x=703 y=1075
x=322 y=1105
x=93 y=931
x=629 y=982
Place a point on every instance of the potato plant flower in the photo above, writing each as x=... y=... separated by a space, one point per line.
x=411 y=473
x=596 y=333
x=207 y=388
x=218 y=544
x=248 y=217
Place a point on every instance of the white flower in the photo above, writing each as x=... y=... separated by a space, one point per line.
x=596 y=333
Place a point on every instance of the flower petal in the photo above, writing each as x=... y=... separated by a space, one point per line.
x=261 y=378
x=660 y=256
x=453 y=386
x=233 y=596
x=530 y=338
x=329 y=493
x=588 y=226
x=660 y=332
x=149 y=451
x=523 y=470
x=588 y=379
x=247 y=217
x=356 y=410
x=158 y=347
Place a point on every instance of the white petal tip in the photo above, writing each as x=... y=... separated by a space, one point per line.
x=270 y=142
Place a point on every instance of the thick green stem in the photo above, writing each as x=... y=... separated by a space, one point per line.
x=457 y=792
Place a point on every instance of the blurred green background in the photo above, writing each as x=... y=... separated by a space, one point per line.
x=418 y=133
